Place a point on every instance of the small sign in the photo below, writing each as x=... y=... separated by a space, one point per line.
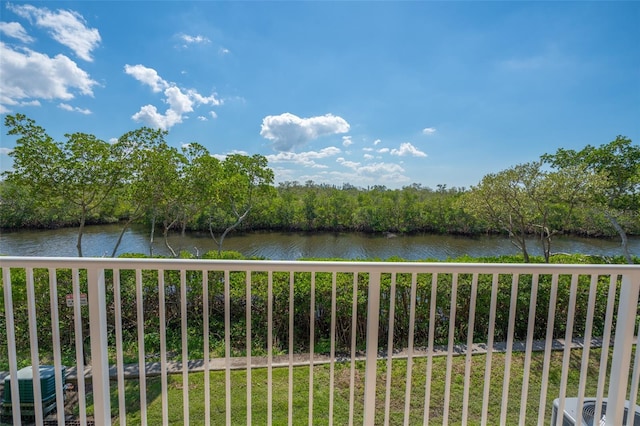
x=83 y=300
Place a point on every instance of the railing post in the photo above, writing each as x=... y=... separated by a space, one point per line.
x=98 y=331
x=373 y=319
x=623 y=344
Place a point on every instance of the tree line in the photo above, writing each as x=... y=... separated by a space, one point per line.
x=140 y=178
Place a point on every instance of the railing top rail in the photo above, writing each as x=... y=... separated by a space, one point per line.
x=306 y=266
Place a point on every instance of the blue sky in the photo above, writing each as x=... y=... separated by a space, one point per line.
x=366 y=93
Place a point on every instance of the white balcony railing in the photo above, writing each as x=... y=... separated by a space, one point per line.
x=355 y=310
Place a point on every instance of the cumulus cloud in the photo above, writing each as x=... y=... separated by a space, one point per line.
x=223 y=51
x=180 y=101
x=376 y=142
x=223 y=157
x=67 y=27
x=383 y=150
x=368 y=157
x=408 y=149
x=15 y=30
x=28 y=76
x=428 y=130
x=6 y=150
x=188 y=39
x=346 y=141
x=350 y=164
x=68 y=107
x=148 y=76
x=304 y=158
x=376 y=169
x=288 y=131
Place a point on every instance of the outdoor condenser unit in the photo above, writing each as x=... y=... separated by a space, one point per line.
x=586 y=418
x=25 y=390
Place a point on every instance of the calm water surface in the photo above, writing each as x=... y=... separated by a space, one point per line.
x=100 y=240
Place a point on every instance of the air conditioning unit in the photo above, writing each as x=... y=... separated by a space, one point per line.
x=571 y=417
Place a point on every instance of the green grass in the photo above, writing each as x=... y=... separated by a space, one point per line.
x=321 y=378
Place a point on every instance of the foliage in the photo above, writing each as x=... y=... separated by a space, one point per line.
x=616 y=166
x=319 y=314
x=143 y=179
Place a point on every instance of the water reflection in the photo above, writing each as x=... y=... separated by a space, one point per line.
x=100 y=240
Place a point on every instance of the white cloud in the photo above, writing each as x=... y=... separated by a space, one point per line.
x=304 y=158
x=383 y=150
x=204 y=100
x=350 y=164
x=222 y=157
x=213 y=114
x=67 y=27
x=407 y=149
x=368 y=157
x=68 y=107
x=180 y=102
x=28 y=76
x=428 y=130
x=346 y=141
x=15 y=30
x=288 y=131
x=202 y=118
x=194 y=39
x=376 y=142
x=148 y=76
x=224 y=51
x=378 y=168
x=6 y=150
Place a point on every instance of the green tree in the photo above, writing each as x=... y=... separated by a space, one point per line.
x=140 y=188
x=84 y=170
x=520 y=201
x=616 y=165
x=244 y=179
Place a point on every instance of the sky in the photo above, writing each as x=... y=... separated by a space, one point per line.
x=364 y=93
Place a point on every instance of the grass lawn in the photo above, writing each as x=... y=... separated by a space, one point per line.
x=321 y=378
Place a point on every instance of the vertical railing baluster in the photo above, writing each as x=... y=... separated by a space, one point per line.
x=162 y=311
x=312 y=336
x=392 y=314
x=227 y=344
x=566 y=355
x=432 y=321
x=606 y=344
x=467 y=361
x=291 y=331
x=586 y=346
x=622 y=346
x=412 y=325
x=117 y=307
x=97 y=300
x=269 y=347
x=249 y=345
x=35 y=353
x=354 y=332
x=553 y=297
x=77 y=318
x=635 y=377
x=334 y=284
x=533 y=301
x=55 y=334
x=206 y=347
x=507 y=359
x=11 y=345
x=371 y=369
x=142 y=363
x=489 y=356
x=451 y=344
